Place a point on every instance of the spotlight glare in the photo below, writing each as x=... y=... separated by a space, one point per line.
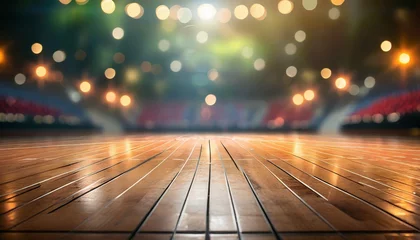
x=340 y=83
x=404 y=58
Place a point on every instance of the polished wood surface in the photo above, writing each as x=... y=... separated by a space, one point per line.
x=208 y=186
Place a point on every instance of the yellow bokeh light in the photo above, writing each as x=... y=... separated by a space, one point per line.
x=386 y=46
x=134 y=10
x=110 y=73
x=36 y=48
x=340 y=83
x=241 y=12
x=285 y=6
x=257 y=11
x=337 y=2
x=110 y=97
x=298 y=99
x=162 y=12
x=210 y=99
x=85 y=87
x=108 y=6
x=224 y=15
x=309 y=95
x=2 y=56
x=41 y=71
x=326 y=73
x=404 y=58
x=65 y=2
x=125 y=100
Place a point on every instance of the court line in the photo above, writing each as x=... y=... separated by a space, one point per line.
x=232 y=204
x=152 y=209
x=173 y=233
x=260 y=205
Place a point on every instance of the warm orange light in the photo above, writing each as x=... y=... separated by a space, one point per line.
x=36 y=48
x=111 y=97
x=125 y=100
x=2 y=56
x=298 y=99
x=309 y=95
x=326 y=73
x=85 y=87
x=337 y=2
x=404 y=58
x=285 y=6
x=41 y=71
x=340 y=83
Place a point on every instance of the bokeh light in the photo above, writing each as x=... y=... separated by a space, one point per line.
x=259 y=64
x=20 y=79
x=59 y=56
x=404 y=58
x=334 y=13
x=164 y=45
x=176 y=66
x=337 y=2
x=213 y=74
x=82 y=2
x=85 y=86
x=300 y=36
x=393 y=117
x=370 y=82
x=354 y=90
x=173 y=12
x=125 y=100
x=257 y=11
x=80 y=55
x=210 y=99
x=184 y=15
x=65 y=2
x=110 y=97
x=206 y=11
x=162 y=12
x=386 y=46
x=36 y=48
x=247 y=52
x=290 y=49
x=108 y=6
x=291 y=71
x=146 y=66
x=118 y=33
x=326 y=73
x=340 y=83
x=241 y=12
x=110 y=73
x=285 y=6
x=309 y=4
x=224 y=15
x=298 y=99
x=309 y=95
x=41 y=71
x=202 y=37
x=132 y=75
x=119 y=58
x=134 y=10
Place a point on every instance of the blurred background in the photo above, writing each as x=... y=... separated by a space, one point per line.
x=325 y=66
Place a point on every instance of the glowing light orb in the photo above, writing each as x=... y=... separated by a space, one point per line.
x=241 y=12
x=41 y=71
x=118 y=33
x=176 y=66
x=340 y=83
x=110 y=97
x=85 y=87
x=108 y=6
x=36 y=48
x=134 y=10
x=386 y=46
x=110 y=73
x=285 y=6
x=298 y=99
x=326 y=73
x=309 y=95
x=125 y=100
x=404 y=58
x=206 y=11
x=259 y=64
x=210 y=99
x=162 y=12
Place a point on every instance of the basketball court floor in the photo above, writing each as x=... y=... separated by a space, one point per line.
x=210 y=186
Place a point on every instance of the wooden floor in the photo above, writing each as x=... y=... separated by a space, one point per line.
x=232 y=186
